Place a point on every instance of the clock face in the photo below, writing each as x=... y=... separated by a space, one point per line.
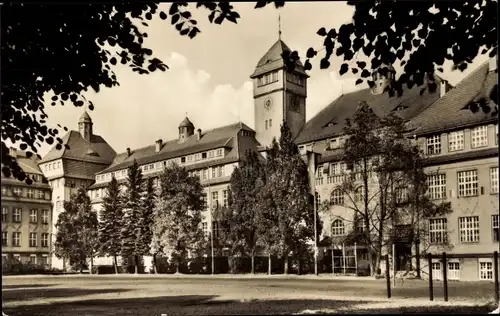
x=268 y=104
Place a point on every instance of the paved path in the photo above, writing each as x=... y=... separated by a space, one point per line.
x=225 y=294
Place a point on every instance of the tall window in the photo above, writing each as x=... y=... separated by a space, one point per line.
x=205 y=174
x=479 y=136
x=438 y=230
x=469 y=229
x=337 y=197
x=456 y=141
x=33 y=216
x=5 y=215
x=359 y=194
x=204 y=227
x=334 y=168
x=45 y=240
x=16 y=215
x=32 y=239
x=225 y=196
x=434 y=144
x=44 y=261
x=485 y=269
x=45 y=216
x=436 y=186
x=494 y=180
x=215 y=199
x=220 y=171
x=4 y=239
x=215 y=229
x=16 y=239
x=467 y=183
x=32 y=259
x=494 y=227
x=338 y=228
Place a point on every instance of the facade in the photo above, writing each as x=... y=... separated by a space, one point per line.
x=26 y=215
x=280 y=96
x=82 y=156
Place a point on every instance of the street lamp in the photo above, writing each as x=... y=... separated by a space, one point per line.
x=312 y=158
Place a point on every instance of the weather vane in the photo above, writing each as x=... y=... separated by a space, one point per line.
x=279 y=25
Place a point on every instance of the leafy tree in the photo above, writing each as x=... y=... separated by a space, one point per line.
x=76 y=237
x=132 y=212
x=145 y=224
x=287 y=217
x=110 y=223
x=240 y=221
x=177 y=215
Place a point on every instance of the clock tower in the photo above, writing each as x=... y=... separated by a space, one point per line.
x=279 y=95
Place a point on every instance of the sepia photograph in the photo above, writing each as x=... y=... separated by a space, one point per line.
x=249 y=158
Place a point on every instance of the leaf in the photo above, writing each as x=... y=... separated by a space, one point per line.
x=343 y=69
x=307 y=65
x=219 y=19
x=186 y=14
x=163 y=15
x=311 y=53
x=184 y=32
x=260 y=4
x=359 y=81
x=179 y=26
x=324 y=63
x=175 y=18
x=361 y=64
x=321 y=32
x=211 y=16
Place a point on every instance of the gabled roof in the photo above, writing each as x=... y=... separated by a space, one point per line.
x=97 y=150
x=449 y=112
x=330 y=121
x=272 y=60
x=225 y=136
x=85 y=117
x=30 y=167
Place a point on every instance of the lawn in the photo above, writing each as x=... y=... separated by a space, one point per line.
x=156 y=295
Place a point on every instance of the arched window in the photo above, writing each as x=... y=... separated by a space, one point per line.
x=337 y=197
x=338 y=228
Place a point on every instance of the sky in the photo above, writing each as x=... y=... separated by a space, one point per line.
x=208 y=77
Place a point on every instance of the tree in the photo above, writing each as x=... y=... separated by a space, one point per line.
x=177 y=214
x=76 y=237
x=132 y=212
x=287 y=216
x=421 y=36
x=240 y=220
x=67 y=49
x=110 y=223
x=143 y=242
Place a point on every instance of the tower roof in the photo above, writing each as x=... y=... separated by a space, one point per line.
x=272 y=60
x=85 y=118
x=186 y=123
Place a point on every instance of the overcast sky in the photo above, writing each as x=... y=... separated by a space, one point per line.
x=209 y=75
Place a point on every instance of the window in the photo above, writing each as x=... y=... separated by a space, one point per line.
x=456 y=141
x=467 y=183
x=275 y=76
x=358 y=194
x=40 y=194
x=334 y=169
x=203 y=155
x=337 y=197
x=32 y=259
x=485 y=269
x=215 y=229
x=45 y=216
x=338 y=228
x=211 y=154
x=436 y=186
x=45 y=260
x=45 y=240
x=494 y=227
x=401 y=194
x=225 y=202
x=32 y=239
x=479 y=136
x=16 y=257
x=469 y=229
x=16 y=216
x=219 y=152
x=33 y=216
x=214 y=172
x=334 y=143
x=270 y=123
x=183 y=159
x=5 y=214
x=205 y=174
x=5 y=239
x=16 y=239
x=454 y=270
x=434 y=145
x=494 y=180
x=4 y=190
x=215 y=199
x=204 y=227
x=438 y=230
x=220 y=171
x=97 y=193
x=17 y=191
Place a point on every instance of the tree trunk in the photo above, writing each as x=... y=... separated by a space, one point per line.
x=299 y=262
x=253 y=264
x=177 y=266
x=91 y=264
x=136 y=261
x=115 y=263
x=285 y=258
x=155 y=268
x=269 y=271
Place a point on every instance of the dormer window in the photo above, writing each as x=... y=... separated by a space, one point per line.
x=335 y=143
x=203 y=155
x=434 y=144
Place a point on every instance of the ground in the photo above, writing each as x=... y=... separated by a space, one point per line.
x=217 y=295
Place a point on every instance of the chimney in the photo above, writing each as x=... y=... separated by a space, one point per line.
x=128 y=152
x=159 y=143
x=493 y=63
x=13 y=152
x=443 y=88
x=198 y=134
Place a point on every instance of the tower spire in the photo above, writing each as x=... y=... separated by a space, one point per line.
x=279 y=26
